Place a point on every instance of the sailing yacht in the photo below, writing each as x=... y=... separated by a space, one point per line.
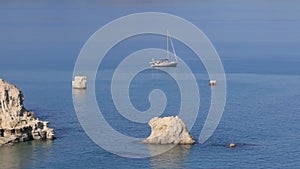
x=166 y=62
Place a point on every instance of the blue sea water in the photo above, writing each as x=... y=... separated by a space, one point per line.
x=258 y=43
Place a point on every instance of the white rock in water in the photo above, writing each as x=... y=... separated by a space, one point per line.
x=168 y=130
x=79 y=82
x=16 y=123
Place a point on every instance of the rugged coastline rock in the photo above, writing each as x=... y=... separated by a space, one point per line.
x=16 y=123
x=168 y=130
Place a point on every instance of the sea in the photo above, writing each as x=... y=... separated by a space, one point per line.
x=258 y=45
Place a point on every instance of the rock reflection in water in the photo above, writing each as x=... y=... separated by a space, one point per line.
x=22 y=155
x=173 y=158
x=79 y=99
x=79 y=94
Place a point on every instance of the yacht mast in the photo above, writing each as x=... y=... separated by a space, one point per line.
x=168 y=57
x=173 y=49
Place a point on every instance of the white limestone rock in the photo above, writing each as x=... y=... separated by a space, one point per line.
x=79 y=82
x=168 y=130
x=16 y=123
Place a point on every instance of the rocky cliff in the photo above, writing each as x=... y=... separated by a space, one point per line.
x=168 y=130
x=16 y=123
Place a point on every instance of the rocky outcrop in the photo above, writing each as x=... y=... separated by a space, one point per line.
x=168 y=130
x=16 y=123
x=79 y=82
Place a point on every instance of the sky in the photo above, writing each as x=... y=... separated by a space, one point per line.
x=50 y=35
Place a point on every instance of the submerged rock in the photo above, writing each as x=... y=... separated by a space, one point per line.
x=16 y=123
x=79 y=82
x=168 y=130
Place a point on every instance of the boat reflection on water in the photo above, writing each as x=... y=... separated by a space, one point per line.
x=171 y=159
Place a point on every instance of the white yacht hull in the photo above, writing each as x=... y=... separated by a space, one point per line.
x=168 y=64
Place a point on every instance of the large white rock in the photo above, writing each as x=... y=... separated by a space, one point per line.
x=17 y=123
x=168 y=130
x=79 y=82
